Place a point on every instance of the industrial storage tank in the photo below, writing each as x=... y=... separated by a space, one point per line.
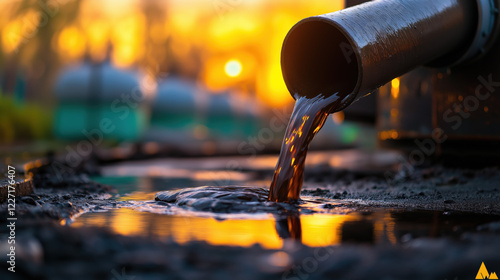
x=184 y=114
x=98 y=98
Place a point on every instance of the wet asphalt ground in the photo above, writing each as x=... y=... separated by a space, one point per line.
x=46 y=249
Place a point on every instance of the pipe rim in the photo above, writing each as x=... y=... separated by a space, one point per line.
x=351 y=96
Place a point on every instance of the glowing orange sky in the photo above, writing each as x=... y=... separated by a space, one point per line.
x=248 y=31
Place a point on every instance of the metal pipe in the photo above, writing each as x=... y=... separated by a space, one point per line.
x=358 y=49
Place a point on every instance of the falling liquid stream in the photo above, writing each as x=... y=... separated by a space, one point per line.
x=308 y=117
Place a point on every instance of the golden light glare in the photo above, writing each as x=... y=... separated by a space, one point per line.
x=11 y=36
x=229 y=45
x=97 y=32
x=233 y=68
x=318 y=230
x=20 y=30
x=394 y=134
x=126 y=37
x=395 y=88
x=395 y=83
x=72 y=42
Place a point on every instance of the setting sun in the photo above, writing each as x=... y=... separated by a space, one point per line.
x=233 y=68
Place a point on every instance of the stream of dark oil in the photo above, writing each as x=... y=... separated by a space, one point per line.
x=308 y=117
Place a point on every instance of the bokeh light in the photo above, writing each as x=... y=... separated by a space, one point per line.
x=233 y=68
x=224 y=45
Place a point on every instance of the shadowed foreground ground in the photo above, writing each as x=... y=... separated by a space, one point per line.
x=47 y=250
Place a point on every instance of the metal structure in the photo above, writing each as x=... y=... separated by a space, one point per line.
x=361 y=48
x=93 y=97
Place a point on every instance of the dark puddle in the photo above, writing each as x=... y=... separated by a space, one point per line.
x=242 y=216
x=226 y=199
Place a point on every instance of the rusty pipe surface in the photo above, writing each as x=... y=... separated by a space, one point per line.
x=358 y=49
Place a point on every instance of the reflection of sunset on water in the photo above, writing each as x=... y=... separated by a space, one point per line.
x=315 y=230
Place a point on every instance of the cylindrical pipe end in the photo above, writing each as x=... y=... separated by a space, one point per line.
x=354 y=51
x=318 y=59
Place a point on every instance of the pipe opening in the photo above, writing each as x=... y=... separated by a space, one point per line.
x=318 y=59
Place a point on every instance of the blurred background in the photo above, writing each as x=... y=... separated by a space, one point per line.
x=187 y=77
